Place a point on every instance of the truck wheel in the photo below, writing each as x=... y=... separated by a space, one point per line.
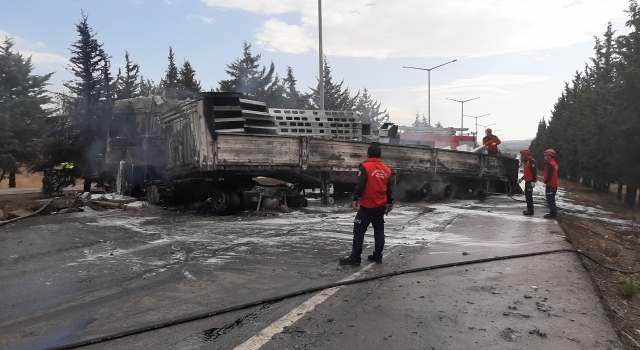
x=470 y=190
x=448 y=192
x=219 y=202
x=425 y=191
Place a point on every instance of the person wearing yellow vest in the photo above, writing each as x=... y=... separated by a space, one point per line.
x=374 y=195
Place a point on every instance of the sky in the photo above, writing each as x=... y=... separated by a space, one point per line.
x=516 y=55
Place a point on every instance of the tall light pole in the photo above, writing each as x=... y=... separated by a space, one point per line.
x=429 y=85
x=462 y=114
x=470 y=116
x=321 y=56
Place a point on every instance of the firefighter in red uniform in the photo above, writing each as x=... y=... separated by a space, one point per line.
x=491 y=143
x=374 y=194
x=551 y=182
x=530 y=177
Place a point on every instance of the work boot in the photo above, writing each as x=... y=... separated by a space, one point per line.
x=549 y=216
x=527 y=213
x=376 y=258
x=349 y=261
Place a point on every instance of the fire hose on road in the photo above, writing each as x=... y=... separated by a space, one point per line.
x=217 y=312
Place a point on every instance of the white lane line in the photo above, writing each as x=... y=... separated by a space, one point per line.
x=258 y=340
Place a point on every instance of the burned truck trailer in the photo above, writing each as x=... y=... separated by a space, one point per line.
x=214 y=147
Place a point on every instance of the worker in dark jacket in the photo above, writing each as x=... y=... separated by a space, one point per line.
x=491 y=143
x=530 y=178
x=374 y=194
x=551 y=182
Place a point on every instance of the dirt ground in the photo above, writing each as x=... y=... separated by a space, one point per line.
x=612 y=243
x=25 y=179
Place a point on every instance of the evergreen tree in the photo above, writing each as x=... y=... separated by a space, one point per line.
x=417 y=122
x=248 y=79
x=148 y=86
x=335 y=97
x=128 y=84
x=294 y=99
x=171 y=77
x=22 y=110
x=370 y=109
x=627 y=119
x=595 y=123
x=85 y=110
x=187 y=78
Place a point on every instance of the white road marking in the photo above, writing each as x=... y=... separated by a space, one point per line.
x=258 y=340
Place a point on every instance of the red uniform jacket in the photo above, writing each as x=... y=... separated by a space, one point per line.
x=377 y=189
x=530 y=171
x=489 y=141
x=551 y=173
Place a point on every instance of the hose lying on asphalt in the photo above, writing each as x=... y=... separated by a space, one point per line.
x=217 y=312
x=26 y=216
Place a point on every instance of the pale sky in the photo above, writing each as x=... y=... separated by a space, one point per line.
x=514 y=54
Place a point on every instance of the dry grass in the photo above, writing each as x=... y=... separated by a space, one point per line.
x=23 y=180
x=628 y=286
x=579 y=193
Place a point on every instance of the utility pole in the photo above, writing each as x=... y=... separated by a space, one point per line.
x=462 y=114
x=321 y=56
x=429 y=85
x=476 y=135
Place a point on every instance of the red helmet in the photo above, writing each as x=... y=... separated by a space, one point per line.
x=489 y=130
x=550 y=152
x=525 y=152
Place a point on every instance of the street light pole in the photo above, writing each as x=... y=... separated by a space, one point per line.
x=470 y=116
x=321 y=56
x=429 y=86
x=462 y=114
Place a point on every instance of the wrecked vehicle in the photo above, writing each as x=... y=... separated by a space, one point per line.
x=211 y=149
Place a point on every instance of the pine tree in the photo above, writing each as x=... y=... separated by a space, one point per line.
x=248 y=79
x=187 y=78
x=335 y=97
x=627 y=119
x=370 y=109
x=148 y=86
x=22 y=110
x=294 y=99
x=171 y=77
x=128 y=84
x=85 y=110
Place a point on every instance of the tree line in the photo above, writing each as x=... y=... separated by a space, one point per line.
x=64 y=134
x=595 y=124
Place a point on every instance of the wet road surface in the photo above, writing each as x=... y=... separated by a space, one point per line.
x=84 y=275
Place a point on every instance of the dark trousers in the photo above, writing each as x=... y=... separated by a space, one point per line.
x=528 y=195
x=551 y=200
x=364 y=217
x=494 y=153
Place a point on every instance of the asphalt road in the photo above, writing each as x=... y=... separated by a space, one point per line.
x=64 y=278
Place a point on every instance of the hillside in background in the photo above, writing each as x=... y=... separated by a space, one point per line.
x=514 y=146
